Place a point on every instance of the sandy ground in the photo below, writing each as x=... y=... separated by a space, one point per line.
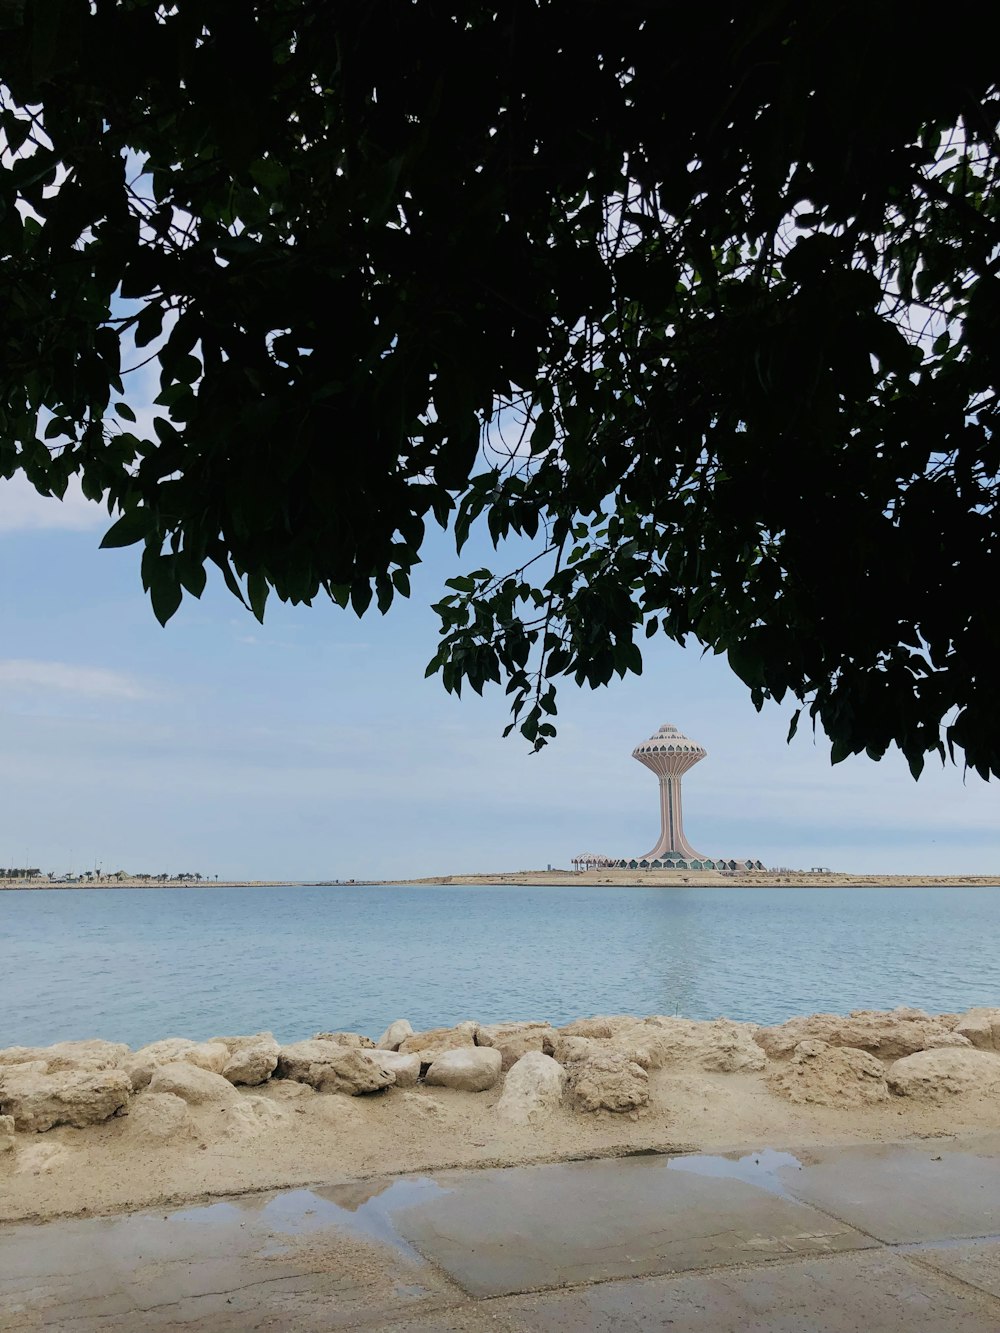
x=649 y=879
x=299 y=1137
x=705 y=879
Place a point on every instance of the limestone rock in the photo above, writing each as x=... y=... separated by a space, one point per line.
x=609 y=1082
x=394 y=1035
x=329 y=1067
x=936 y=1074
x=566 y=1050
x=6 y=1133
x=353 y=1072
x=888 y=1034
x=646 y=1049
x=720 y=1046
x=256 y=1039
x=472 y=1069
x=513 y=1040
x=210 y=1055
x=251 y=1065
x=350 y=1039
x=68 y=1055
x=405 y=1067
x=192 y=1084
x=831 y=1076
x=295 y=1059
x=434 y=1042
x=76 y=1097
x=600 y=1026
x=980 y=1027
x=160 y=1117
x=532 y=1089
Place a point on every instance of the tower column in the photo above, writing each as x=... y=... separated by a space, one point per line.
x=672 y=838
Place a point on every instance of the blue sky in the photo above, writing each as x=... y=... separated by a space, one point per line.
x=313 y=746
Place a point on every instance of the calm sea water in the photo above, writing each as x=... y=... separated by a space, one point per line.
x=135 y=966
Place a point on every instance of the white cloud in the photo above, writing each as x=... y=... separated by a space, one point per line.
x=67 y=677
x=22 y=509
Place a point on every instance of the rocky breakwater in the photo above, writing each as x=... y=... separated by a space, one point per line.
x=610 y=1066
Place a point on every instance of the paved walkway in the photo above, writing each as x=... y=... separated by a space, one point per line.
x=859 y=1240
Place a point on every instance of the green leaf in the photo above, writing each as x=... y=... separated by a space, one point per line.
x=135 y=525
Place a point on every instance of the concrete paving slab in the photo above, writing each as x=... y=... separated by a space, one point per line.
x=601 y=1245
x=531 y=1228
x=295 y=1259
x=902 y=1193
x=869 y=1292
x=976 y=1262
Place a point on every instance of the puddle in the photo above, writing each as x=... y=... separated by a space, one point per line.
x=364 y=1209
x=756 y=1168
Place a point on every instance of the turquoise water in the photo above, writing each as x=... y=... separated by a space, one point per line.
x=138 y=965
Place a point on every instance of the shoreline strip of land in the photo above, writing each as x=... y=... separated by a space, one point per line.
x=541 y=879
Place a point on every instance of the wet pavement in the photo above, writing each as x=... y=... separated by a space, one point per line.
x=896 y=1237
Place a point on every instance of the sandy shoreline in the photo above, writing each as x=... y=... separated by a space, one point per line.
x=702 y=1086
x=704 y=879
x=642 y=879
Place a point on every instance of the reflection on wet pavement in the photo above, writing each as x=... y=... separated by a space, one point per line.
x=756 y=1168
x=420 y=1252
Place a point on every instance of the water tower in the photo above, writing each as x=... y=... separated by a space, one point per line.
x=670 y=754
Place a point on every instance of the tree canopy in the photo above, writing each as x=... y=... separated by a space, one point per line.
x=701 y=299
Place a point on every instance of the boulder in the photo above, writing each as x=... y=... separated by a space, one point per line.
x=256 y=1040
x=192 y=1084
x=405 y=1067
x=888 y=1034
x=295 y=1059
x=513 y=1040
x=608 y=1082
x=329 y=1067
x=980 y=1028
x=720 y=1046
x=80 y=1097
x=353 y=1072
x=532 y=1089
x=432 y=1043
x=394 y=1035
x=647 y=1049
x=67 y=1055
x=210 y=1055
x=830 y=1076
x=471 y=1069
x=251 y=1064
x=566 y=1050
x=160 y=1117
x=6 y=1133
x=600 y=1026
x=937 y=1074
x=350 y=1039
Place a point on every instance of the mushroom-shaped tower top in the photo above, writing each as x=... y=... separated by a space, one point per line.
x=669 y=751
